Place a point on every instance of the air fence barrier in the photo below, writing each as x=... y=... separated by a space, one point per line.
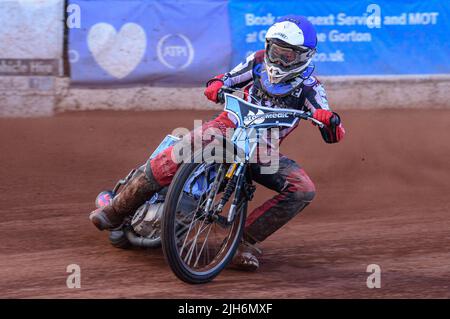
x=58 y=55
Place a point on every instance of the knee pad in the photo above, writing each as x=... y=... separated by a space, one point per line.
x=308 y=196
x=304 y=192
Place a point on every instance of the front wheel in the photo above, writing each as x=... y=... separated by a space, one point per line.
x=199 y=244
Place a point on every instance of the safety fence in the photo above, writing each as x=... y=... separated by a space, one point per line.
x=78 y=54
x=170 y=43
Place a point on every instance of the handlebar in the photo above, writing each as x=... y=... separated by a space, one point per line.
x=226 y=89
x=300 y=114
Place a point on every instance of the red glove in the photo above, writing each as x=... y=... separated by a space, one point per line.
x=323 y=116
x=212 y=88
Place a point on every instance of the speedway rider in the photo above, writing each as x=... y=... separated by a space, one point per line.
x=281 y=77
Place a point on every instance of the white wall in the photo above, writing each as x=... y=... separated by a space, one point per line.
x=31 y=46
x=343 y=93
x=31 y=29
x=32 y=35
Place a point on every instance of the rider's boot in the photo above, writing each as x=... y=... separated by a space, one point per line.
x=135 y=193
x=246 y=257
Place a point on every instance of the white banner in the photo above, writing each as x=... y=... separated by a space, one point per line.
x=31 y=37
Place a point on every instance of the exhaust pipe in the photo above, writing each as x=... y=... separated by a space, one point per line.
x=142 y=242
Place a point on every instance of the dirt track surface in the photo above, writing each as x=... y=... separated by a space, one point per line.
x=383 y=198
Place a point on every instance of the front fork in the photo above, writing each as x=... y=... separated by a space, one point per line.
x=236 y=181
x=238 y=176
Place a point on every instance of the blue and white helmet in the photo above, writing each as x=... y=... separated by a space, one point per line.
x=290 y=46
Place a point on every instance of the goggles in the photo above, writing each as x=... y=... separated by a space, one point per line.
x=287 y=56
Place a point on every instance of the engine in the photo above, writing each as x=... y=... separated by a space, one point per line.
x=147 y=220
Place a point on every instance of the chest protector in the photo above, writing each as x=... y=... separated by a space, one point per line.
x=285 y=95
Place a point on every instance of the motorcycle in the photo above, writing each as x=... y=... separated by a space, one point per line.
x=199 y=219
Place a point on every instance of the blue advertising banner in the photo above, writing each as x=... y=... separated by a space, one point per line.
x=151 y=42
x=363 y=37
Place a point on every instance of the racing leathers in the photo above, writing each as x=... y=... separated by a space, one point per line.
x=293 y=185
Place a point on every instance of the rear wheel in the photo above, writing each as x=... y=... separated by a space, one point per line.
x=199 y=244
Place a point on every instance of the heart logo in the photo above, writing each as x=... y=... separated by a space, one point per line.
x=118 y=53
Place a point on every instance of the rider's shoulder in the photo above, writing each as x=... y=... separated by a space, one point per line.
x=311 y=81
x=256 y=57
x=259 y=56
